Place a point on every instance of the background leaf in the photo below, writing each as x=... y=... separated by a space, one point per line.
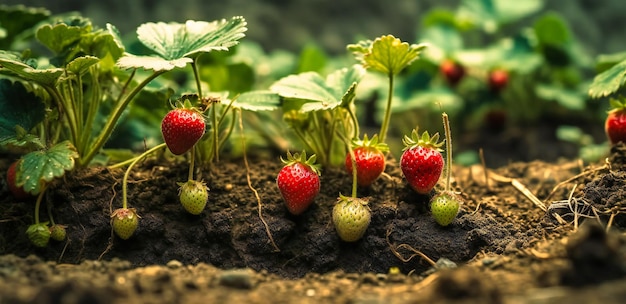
x=18 y=19
x=18 y=107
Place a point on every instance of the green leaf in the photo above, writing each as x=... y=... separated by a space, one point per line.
x=609 y=81
x=567 y=98
x=551 y=29
x=606 y=61
x=176 y=43
x=308 y=86
x=258 y=101
x=444 y=37
x=18 y=108
x=320 y=93
x=41 y=167
x=18 y=19
x=387 y=54
x=490 y=14
x=60 y=36
x=312 y=58
x=80 y=65
x=12 y=63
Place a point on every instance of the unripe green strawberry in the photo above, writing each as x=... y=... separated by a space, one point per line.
x=421 y=161
x=182 y=128
x=38 y=234
x=125 y=222
x=444 y=207
x=193 y=196
x=57 y=232
x=298 y=182
x=351 y=217
x=369 y=158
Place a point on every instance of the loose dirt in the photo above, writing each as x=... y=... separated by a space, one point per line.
x=532 y=232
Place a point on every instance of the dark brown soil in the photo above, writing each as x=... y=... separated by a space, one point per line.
x=508 y=248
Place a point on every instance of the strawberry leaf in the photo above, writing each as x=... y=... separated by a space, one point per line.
x=609 y=81
x=80 y=65
x=175 y=44
x=20 y=110
x=41 y=167
x=17 y=20
x=386 y=54
x=61 y=36
x=319 y=93
x=11 y=64
x=258 y=101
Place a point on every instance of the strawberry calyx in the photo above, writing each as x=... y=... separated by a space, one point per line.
x=301 y=158
x=124 y=213
x=617 y=105
x=370 y=143
x=350 y=199
x=424 y=140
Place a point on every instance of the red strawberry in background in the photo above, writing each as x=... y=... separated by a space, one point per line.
x=452 y=71
x=182 y=128
x=17 y=191
x=498 y=79
x=615 y=124
x=421 y=161
x=298 y=182
x=369 y=158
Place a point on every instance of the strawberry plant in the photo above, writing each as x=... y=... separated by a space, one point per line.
x=387 y=55
x=321 y=111
x=421 y=161
x=298 y=181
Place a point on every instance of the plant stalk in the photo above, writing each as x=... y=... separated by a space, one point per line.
x=125 y=179
x=383 y=128
x=446 y=128
x=115 y=115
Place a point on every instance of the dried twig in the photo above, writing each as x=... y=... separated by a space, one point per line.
x=521 y=188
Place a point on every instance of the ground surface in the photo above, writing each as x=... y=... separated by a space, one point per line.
x=524 y=235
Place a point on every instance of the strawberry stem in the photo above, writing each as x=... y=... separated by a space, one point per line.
x=38 y=203
x=125 y=179
x=446 y=128
x=385 y=125
x=191 y=163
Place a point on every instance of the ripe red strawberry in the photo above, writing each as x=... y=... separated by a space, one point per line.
x=351 y=217
x=182 y=128
x=38 y=234
x=452 y=71
x=369 y=158
x=193 y=196
x=421 y=161
x=615 y=124
x=298 y=182
x=497 y=80
x=124 y=222
x=17 y=191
